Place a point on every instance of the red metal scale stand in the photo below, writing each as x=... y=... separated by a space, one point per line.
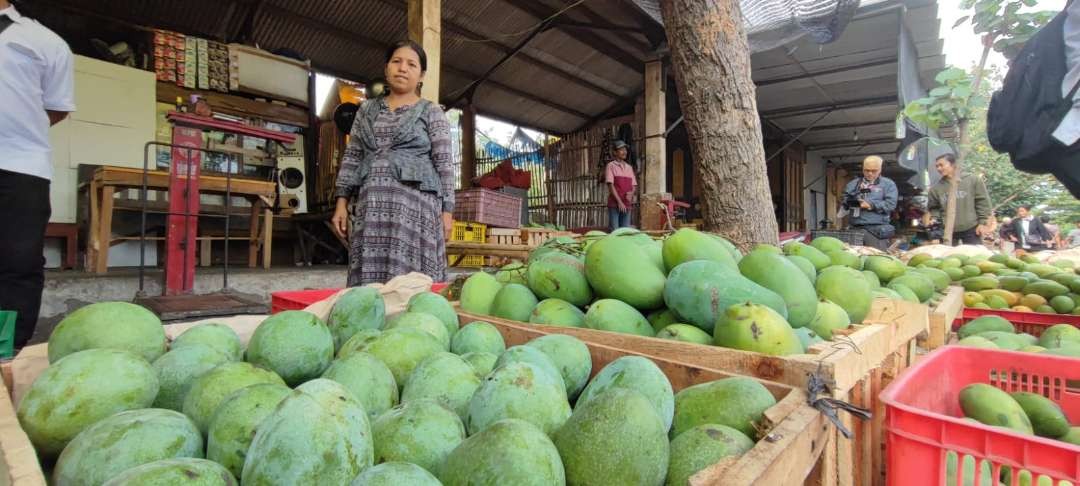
x=182 y=222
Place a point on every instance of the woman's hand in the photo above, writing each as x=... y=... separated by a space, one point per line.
x=448 y=225
x=340 y=221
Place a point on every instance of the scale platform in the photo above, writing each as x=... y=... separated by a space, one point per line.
x=193 y=306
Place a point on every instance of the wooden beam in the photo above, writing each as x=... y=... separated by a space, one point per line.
x=470 y=89
x=602 y=45
x=461 y=30
x=468 y=145
x=824 y=72
x=446 y=67
x=655 y=126
x=823 y=107
x=654 y=30
x=595 y=20
x=425 y=28
x=853 y=143
x=817 y=128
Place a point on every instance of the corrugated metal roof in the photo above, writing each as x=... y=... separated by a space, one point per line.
x=564 y=77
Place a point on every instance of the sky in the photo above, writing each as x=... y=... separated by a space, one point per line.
x=962 y=46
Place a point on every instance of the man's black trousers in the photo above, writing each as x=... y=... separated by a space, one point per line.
x=24 y=213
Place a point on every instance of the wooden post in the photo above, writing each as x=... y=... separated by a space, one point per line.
x=425 y=28
x=655 y=125
x=105 y=229
x=655 y=184
x=468 y=145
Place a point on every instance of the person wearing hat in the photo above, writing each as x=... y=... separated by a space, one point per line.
x=621 y=183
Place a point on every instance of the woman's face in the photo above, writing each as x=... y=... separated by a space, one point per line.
x=403 y=72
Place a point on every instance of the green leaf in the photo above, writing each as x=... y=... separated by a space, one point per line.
x=949 y=74
x=961 y=21
x=940 y=91
x=962 y=92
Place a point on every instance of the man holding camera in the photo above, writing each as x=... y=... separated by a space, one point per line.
x=869 y=200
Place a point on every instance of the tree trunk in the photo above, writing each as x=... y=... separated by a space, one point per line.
x=711 y=61
x=954 y=182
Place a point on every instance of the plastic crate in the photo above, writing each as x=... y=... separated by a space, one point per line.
x=300 y=299
x=465 y=231
x=1030 y=322
x=485 y=206
x=851 y=237
x=926 y=429
x=7 y=334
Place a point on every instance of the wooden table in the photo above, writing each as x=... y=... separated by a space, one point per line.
x=106 y=180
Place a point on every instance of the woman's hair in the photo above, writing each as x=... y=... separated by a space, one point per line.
x=411 y=45
x=950 y=158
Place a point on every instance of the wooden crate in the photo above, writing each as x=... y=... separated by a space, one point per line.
x=18 y=462
x=941 y=318
x=534 y=237
x=797 y=433
x=858 y=365
x=502 y=236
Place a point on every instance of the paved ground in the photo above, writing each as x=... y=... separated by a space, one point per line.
x=67 y=291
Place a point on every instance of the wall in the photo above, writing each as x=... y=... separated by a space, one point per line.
x=114 y=120
x=814 y=179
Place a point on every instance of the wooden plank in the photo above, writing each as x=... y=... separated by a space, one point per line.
x=19 y=465
x=520 y=252
x=942 y=317
x=253 y=235
x=268 y=236
x=101 y=265
x=205 y=246
x=157 y=179
x=237 y=105
x=93 y=244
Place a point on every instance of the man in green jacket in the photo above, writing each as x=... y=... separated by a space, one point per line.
x=973 y=202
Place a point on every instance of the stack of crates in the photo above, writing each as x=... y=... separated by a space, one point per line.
x=471 y=232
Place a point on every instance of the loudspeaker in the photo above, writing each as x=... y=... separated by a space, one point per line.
x=291 y=182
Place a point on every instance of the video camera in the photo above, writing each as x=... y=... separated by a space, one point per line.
x=852 y=201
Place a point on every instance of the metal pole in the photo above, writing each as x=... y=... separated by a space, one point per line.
x=187 y=220
x=228 y=206
x=142 y=215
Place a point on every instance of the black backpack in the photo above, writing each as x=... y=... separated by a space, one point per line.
x=1029 y=107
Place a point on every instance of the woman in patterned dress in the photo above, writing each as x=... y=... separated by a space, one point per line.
x=397 y=176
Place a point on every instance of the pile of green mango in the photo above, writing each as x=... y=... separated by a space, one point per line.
x=1023 y=412
x=995 y=332
x=1011 y=283
x=368 y=399
x=697 y=287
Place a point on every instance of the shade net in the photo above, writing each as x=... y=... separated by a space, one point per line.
x=772 y=23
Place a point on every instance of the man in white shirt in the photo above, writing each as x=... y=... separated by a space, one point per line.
x=36 y=92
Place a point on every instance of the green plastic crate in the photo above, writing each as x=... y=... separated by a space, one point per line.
x=7 y=334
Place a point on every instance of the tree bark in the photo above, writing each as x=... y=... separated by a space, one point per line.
x=962 y=127
x=711 y=61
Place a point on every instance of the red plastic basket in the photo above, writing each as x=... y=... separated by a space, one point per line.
x=300 y=299
x=924 y=420
x=489 y=207
x=1030 y=322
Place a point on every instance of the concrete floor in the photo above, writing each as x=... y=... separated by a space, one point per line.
x=66 y=291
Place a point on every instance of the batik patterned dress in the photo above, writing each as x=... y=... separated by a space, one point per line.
x=397 y=228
